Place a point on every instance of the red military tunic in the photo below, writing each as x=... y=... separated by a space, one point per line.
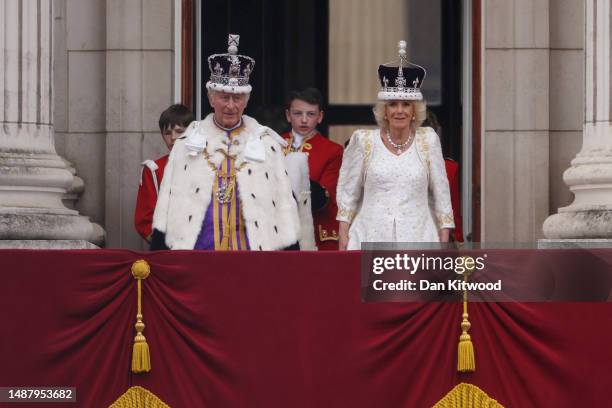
x=452 y=172
x=150 y=181
x=324 y=161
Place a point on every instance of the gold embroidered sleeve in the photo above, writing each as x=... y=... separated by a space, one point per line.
x=445 y=220
x=438 y=181
x=345 y=214
x=424 y=146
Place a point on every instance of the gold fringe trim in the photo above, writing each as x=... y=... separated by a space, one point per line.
x=138 y=397
x=466 y=361
x=467 y=396
x=141 y=359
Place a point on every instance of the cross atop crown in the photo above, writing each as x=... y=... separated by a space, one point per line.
x=401 y=79
x=230 y=71
x=233 y=40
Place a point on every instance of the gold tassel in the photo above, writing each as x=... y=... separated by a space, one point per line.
x=141 y=359
x=466 y=362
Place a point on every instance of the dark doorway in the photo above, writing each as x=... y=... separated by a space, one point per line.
x=289 y=41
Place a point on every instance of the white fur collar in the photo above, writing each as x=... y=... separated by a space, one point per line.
x=206 y=135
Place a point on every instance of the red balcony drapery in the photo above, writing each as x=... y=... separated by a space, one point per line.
x=280 y=329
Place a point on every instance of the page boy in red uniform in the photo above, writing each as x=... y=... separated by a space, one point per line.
x=452 y=172
x=304 y=112
x=172 y=124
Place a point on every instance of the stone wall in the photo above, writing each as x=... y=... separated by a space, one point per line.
x=113 y=76
x=533 y=102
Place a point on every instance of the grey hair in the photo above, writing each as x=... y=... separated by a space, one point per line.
x=211 y=92
x=420 y=114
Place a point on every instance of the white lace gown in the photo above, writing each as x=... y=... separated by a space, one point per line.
x=386 y=197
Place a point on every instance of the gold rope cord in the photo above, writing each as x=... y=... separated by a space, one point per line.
x=141 y=359
x=466 y=362
x=138 y=397
x=467 y=396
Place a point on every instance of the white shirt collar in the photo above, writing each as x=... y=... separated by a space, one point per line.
x=299 y=139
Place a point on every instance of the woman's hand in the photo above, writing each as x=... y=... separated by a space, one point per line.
x=343 y=235
x=444 y=234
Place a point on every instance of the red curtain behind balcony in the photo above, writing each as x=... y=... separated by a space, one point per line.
x=280 y=330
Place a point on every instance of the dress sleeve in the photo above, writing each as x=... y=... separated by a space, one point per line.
x=350 y=181
x=438 y=184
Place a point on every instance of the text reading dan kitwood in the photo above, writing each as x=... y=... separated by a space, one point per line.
x=413 y=264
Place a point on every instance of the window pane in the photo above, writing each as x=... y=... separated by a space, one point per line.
x=364 y=33
x=425 y=45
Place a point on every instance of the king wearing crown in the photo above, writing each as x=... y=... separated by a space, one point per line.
x=226 y=184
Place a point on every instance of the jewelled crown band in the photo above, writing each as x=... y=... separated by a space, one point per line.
x=401 y=79
x=230 y=72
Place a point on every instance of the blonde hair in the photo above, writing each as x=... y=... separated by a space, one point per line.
x=420 y=114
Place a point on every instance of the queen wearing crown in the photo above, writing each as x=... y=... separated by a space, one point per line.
x=393 y=186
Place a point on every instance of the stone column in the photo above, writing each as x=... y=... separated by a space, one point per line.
x=33 y=178
x=515 y=143
x=589 y=216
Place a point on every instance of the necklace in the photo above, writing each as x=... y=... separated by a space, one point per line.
x=227 y=184
x=399 y=146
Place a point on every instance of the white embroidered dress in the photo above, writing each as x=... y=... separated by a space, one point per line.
x=390 y=198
